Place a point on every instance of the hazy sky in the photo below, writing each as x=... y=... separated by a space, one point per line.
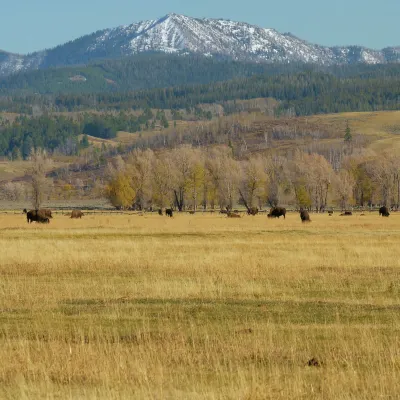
x=29 y=25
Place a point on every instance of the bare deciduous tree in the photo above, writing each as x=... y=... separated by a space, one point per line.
x=41 y=186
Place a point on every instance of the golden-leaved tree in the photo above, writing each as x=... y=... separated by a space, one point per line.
x=119 y=191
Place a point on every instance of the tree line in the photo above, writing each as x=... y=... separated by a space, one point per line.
x=211 y=178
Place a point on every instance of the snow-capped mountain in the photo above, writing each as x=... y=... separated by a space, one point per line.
x=181 y=35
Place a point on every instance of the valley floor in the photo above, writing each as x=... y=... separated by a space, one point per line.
x=200 y=307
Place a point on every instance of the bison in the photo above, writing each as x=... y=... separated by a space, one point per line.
x=304 y=215
x=233 y=215
x=346 y=214
x=277 y=212
x=77 y=214
x=252 y=211
x=37 y=216
x=46 y=212
x=160 y=211
x=169 y=212
x=384 y=211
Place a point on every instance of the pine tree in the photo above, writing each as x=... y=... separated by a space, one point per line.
x=347 y=136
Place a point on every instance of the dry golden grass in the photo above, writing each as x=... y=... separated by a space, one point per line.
x=383 y=127
x=200 y=307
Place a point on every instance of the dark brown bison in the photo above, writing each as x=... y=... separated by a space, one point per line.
x=384 y=211
x=252 y=211
x=77 y=214
x=233 y=215
x=160 y=211
x=304 y=215
x=277 y=212
x=37 y=216
x=169 y=212
x=346 y=214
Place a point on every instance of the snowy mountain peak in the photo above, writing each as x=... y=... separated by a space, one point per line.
x=175 y=33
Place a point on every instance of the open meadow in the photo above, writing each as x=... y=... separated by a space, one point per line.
x=200 y=307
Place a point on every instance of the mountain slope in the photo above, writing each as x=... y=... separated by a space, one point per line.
x=180 y=34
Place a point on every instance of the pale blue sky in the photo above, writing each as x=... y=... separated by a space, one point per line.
x=29 y=25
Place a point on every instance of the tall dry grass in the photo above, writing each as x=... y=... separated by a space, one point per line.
x=200 y=307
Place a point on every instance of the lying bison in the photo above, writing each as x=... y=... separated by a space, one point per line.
x=304 y=215
x=233 y=215
x=77 y=214
x=37 y=216
x=169 y=212
x=384 y=211
x=346 y=214
x=277 y=212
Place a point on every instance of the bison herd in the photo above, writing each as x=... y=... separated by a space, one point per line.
x=44 y=215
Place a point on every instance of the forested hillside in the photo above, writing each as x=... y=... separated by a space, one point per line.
x=302 y=93
x=140 y=72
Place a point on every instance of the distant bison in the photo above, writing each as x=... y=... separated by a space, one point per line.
x=160 y=212
x=37 y=216
x=346 y=214
x=77 y=214
x=277 y=212
x=169 y=212
x=252 y=211
x=233 y=215
x=304 y=215
x=384 y=211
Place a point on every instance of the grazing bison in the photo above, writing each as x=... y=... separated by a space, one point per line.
x=37 y=216
x=169 y=212
x=384 y=211
x=304 y=215
x=160 y=211
x=277 y=212
x=77 y=214
x=252 y=211
x=233 y=215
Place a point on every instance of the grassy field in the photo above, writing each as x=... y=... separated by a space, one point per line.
x=200 y=307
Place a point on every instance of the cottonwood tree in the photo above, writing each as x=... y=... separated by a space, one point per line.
x=381 y=173
x=119 y=191
x=41 y=186
x=196 y=179
x=253 y=182
x=275 y=170
x=183 y=159
x=162 y=180
x=216 y=166
x=311 y=177
x=344 y=187
x=141 y=163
